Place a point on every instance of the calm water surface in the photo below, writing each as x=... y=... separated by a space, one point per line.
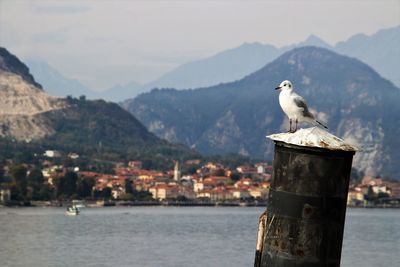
x=171 y=237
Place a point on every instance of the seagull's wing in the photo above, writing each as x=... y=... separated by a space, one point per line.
x=301 y=103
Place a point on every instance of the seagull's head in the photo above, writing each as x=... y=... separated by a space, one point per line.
x=285 y=85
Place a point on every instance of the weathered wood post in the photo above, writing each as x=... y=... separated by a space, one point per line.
x=304 y=221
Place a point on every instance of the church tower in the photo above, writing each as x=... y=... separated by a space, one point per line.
x=177 y=172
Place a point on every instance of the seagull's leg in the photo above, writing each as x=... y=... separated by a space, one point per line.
x=290 y=125
x=296 y=125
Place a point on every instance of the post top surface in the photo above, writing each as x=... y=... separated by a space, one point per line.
x=314 y=137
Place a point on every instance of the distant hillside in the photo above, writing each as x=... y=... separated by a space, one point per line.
x=96 y=129
x=355 y=102
x=121 y=92
x=56 y=84
x=227 y=66
x=380 y=50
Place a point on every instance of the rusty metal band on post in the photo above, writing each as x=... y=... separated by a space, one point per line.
x=305 y=207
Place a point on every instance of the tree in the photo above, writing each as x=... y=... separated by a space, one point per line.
x=85 y=186
x=383 y=195
x=106 y=193
x=370 y=196
x=70 y=183
x=142 y=195
x=46 y=192
x=126 y=196
x=181 y=198
x=66 y=185
x=128 y=187
x=235 y=176
x=190 y=169
x=35 y=182
x=19 y=182
x=147 y=164
x=59 y=184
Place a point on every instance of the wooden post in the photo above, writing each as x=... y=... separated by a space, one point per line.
x=306 y=209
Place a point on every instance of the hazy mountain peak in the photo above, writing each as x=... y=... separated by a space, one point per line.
x=121 y=92
x=43 y=67
x=389 y=34
x=354 y=38
x=379 y=50
x=314 y=40
x=55 y=83
x=226 y=66
x=252 y=45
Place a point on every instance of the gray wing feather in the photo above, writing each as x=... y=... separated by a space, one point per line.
x=301 y=103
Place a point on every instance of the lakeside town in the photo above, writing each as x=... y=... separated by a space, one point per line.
x=191 y=182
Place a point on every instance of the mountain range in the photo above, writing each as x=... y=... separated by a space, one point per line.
x=380 y=51
x=30 y=118
x=55 y=83
x=354 y=101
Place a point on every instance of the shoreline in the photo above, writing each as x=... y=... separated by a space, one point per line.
x=102 y=203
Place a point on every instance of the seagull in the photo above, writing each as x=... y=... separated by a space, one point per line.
x=295 y=107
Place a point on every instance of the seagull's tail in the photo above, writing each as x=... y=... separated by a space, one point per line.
x=320 y=124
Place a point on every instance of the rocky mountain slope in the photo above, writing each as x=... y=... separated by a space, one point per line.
x=21 y=99
x=20 y=103
x=91 y=128
x=10 y=63
x=350 y=97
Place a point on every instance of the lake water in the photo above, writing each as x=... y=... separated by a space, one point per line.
x=172 y=237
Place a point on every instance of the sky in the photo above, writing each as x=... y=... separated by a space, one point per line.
x=107 y=42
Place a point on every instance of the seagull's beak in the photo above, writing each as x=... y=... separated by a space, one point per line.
x=277 y=88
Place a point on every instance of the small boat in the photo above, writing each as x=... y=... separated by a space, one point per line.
x=80 y=204
x=73 y=210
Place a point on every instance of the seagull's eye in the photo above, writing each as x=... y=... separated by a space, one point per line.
x=285 y=84
x=289 y=85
